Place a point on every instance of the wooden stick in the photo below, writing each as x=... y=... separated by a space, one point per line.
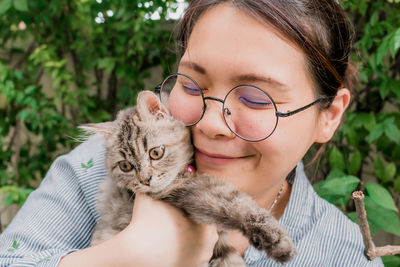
x=371 y=252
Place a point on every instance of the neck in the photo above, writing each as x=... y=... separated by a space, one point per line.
x=267 y=199
x=281 y=204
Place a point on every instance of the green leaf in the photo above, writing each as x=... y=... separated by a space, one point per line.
x=336 y=159
x=383 y=48
x=90 y=163
x=392 y=132
x=8 y=200
x=5 y=5
x=390 y=171
x=381 y=196
x=396 y=43
x=21 y=5
x=45 y=259
x=376 y=132
x=391 y=261
x=384 y=89
x=355 y=162
x=379 y=217
x=353 y=136
x=341 y=186
x=107 y=63
x=23 y=114
x=31 y=89
x=334 y=174
x=379 y=168
x=83 y=165
x=15 y=244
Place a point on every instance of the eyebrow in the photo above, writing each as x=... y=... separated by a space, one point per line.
x=242 y=78
x=253 y=77
x=194 y=66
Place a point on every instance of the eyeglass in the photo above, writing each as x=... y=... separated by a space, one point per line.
x=249 y=112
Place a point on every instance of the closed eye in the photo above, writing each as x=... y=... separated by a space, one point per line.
x=255 y=103
x=192 y=90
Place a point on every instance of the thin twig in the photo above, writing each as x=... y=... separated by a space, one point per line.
x=370 y=251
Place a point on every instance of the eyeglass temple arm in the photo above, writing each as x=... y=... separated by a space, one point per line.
x=290 y=113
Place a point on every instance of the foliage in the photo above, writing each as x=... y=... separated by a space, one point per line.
x=365 y=154
x=63 y=63
x=97 y=60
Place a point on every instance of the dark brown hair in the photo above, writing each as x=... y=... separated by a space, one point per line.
x=319 y=27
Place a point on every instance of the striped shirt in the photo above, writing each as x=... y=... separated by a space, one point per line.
x=59 y=217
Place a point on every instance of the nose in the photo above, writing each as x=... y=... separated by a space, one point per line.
x=146 y=181
x=213 y=124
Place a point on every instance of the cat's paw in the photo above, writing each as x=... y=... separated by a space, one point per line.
x=230 y=260
x=284 y=250
x=275 y=242
x=262 y=237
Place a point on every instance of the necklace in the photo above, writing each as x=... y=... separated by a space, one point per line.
x=277 y=197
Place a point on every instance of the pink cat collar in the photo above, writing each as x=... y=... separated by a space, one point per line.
x=190 y=169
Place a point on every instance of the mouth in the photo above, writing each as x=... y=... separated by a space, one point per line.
x=214 y=158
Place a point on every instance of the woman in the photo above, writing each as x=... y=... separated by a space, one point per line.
x=288 y=57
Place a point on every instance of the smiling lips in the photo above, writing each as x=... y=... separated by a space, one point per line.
x=216 y=158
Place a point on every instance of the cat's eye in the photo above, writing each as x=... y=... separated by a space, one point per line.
x=157 y=152
x=125 y=166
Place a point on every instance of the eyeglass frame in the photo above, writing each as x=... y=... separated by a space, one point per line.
x=278 y=114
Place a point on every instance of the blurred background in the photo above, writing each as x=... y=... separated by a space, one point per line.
x=67 y=62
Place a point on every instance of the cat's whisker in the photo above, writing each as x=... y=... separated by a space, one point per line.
x=80 y=138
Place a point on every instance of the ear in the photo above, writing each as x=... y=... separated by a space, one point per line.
x=105 y=128
x=330 y=119
x=149 y=106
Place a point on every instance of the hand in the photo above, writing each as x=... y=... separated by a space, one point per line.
x=158 y=235
x=167 y=237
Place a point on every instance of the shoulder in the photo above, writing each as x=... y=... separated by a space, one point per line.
x=339 y=236
x=90 y=151
x=334 y=239
x=84 y=161
x=78 y=173
x=322 y=233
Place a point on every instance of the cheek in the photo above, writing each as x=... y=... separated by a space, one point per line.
x=290 y=140
x=187 y=109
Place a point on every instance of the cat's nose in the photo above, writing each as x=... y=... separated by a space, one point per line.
x=146 y=181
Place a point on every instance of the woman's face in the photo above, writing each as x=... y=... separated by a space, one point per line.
x=227 y=48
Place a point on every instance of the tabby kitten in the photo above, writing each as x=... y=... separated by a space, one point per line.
x=147 y=151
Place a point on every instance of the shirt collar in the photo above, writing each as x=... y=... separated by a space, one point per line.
x=298 y=211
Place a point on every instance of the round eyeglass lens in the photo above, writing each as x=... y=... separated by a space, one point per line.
x=250 y=113
x=183 y=97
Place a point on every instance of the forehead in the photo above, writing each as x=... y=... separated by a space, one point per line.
x=227 y=41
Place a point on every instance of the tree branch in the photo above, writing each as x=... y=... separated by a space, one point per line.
x=23 y=58
x=371 y=252
x=112 y=90
x=99 y=80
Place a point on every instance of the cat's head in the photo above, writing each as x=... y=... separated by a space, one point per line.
x=146 y=147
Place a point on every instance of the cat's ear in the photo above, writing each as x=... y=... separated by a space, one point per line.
x=149 y=105
x=104 y=128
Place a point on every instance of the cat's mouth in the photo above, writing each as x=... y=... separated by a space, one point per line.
x=146 y=181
